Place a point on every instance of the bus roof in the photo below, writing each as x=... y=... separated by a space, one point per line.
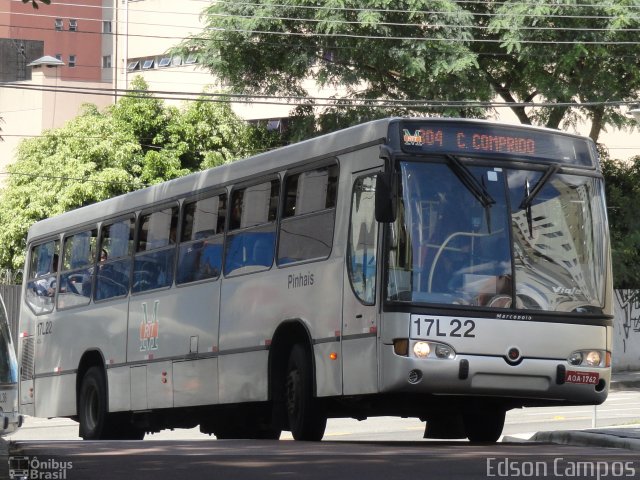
x=274 y=160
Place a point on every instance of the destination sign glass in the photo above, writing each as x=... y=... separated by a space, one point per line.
x=459 y=138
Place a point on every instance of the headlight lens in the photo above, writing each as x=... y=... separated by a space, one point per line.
x=593 y=358
x=421 y=349
x=588 y=358
x=575 y=358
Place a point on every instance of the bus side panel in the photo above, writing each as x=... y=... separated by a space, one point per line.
x=328 y=375
x=62 y=338
x=58 y=398
x=119 y=385
x=165 y=325
x=243 y=377
x=195 y=382
x=256 y=304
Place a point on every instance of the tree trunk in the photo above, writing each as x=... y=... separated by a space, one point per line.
x=596 y=123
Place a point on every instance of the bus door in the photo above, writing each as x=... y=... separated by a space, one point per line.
x=359 y=311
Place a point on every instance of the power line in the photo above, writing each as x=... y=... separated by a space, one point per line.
x=304 y=100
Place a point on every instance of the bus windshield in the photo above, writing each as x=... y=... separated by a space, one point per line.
x=497 y=237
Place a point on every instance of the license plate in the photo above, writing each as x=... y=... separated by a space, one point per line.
x=590 y=378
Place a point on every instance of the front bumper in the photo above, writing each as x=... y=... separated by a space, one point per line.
x=531 y=378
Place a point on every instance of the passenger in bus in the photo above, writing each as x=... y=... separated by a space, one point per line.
x=46 y=285
x=109 y=281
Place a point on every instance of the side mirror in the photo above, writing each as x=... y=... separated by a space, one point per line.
x=386 y=193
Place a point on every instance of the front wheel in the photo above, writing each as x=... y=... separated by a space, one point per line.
x=484 y=426
x=307 y=421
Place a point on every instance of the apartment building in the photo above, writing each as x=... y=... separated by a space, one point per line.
x=71 y=31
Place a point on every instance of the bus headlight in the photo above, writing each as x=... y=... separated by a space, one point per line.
x=593 y=358
x=421 y=349
x=444 y=351
x=588 y=358
x=575 y=358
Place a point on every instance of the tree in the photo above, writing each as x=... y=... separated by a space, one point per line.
x=34 y=3
x=135 y=143
x=622 y=181
x=423 y=56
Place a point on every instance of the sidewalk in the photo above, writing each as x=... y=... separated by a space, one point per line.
x=627 y=437
x=625 y=381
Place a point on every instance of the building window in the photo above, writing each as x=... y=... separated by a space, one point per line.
x=133 y=65
x=164 y=62
x=191 y=59
x=58 y=24
x=106 y=61
x=176 y=61
x=148 y=64
x=73 y=25
x=106 y=26
x=72 y=61
x=59 y=56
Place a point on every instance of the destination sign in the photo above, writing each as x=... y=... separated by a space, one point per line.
x=460 y=138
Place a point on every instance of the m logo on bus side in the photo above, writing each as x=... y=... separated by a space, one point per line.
x=149 y=328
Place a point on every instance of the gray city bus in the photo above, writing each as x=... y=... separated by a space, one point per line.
x=443 y=269
x=10 y=419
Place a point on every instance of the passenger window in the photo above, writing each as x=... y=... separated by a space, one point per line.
x=78 y=256
x=43 y=280
x=114 y=260
x=252 y=226
x=200 y=252
x=155 y=250
x=363 y=240
x=306 y=229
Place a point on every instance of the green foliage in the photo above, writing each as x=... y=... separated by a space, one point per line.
x=623 y=197
x=435 y=50
x=34 y=3
x=135 y=143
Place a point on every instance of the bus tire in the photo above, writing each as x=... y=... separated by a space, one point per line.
x=307 y=421
x=484 y=426
x=92 y=406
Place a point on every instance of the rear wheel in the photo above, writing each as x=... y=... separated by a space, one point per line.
x=484 y=426
x=95 y=421
x=307 y=421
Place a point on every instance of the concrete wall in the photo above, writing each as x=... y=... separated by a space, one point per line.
x=626 y=331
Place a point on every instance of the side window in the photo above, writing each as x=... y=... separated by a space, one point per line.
x=155 y=250
x=252 y=228
x=201 y=240
x=78 y=257
x=114 y=261
x=43 y=280
x=306 y=228
x=363 y=240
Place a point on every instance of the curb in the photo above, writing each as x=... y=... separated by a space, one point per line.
x=625 y=385
x=589 y=438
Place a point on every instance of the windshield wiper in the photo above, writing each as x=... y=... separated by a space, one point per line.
x=531 y=193
x=470 y=182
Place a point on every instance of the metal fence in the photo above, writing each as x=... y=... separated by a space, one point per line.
x=11 y=296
